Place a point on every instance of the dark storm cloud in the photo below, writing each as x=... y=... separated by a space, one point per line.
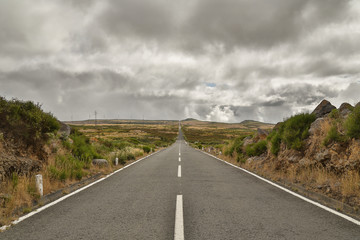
x=259 y=23
x=139 y=18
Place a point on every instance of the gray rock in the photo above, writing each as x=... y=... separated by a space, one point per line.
x=262 y=132
x=323 y=156
x=316 y=126
x=345 y=109
x=248 y=140
x=100 y=162
x=64 y=129
x=323 y=108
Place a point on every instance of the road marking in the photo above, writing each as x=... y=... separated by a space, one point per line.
x=179 y=219
x=179 y=171
x=179 y=154
x=3 y=228
x=179 y=159
x=292 y=193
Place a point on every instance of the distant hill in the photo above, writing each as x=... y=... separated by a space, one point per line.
x=255 y=124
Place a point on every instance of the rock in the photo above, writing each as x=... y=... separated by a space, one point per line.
x=64 y=129
x=100 y=162
x=247 y=141
x=315 y=127
x=305 y=162
x=323 y=108
x=262 y=134
x=345 y=109
x=323 y=156
x=20 y=165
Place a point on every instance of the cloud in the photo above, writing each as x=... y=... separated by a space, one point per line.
x=212 y=60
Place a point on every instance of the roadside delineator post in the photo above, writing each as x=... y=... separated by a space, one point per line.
x=39 y=184
x=116 y=161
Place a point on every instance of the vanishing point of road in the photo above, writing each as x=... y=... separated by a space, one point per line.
x=181 y=193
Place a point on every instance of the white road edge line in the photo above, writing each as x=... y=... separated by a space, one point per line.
x=179 y=219
x=179 y=171
x=3 y=228
x=292 y=193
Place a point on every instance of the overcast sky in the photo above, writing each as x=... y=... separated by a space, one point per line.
x=227 y=60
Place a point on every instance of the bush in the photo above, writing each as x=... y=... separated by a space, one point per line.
x=333 y=136
x=26 y=121
x=352 y=124
x=334 y=114
x=296 y=129
x=67 y=166
x=256 y=149
x=81 y=147
x=275 y=141
x=130 y=156
x=146 y=149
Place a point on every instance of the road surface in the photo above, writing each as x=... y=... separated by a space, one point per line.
x=202 y=199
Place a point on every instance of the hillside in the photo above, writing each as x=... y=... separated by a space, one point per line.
x=319 y=152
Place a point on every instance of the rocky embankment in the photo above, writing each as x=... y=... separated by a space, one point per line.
x=21 y=158
x=326 y=159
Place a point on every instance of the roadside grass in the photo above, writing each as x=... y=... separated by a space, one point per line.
x=69 y=160
x=343 y=186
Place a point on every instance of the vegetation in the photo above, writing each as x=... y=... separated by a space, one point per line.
x=333 y=135
x=256 y=149
x=67 y=167
x=26 y=122
x=67 y=159
x=292 y=132
x=81 y=147
x=352 y=124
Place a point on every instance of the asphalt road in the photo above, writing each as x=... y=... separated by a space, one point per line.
x=219 y=202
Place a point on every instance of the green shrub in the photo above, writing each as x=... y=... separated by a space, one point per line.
x=296 y=129
x=130 y=156
x=352 y=124
x=333 y=136
x=146 y=149
x=26 y=121
x=82 y=148
x=241 y=158
x=334 y=114
x=275 y=141
x=14 y=180
x=256 y=149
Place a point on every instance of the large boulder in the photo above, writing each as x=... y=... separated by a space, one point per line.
x=323 y=108
x=64 y=129
x=262 y=133
x=345 y=109
x=315 y=127
x=100 y=162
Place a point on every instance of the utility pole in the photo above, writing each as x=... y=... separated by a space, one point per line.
x=95 y=118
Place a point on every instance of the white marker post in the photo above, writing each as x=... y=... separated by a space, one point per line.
x=116 y=161
x=39 y=184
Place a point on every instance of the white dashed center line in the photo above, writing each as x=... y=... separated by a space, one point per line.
x=179 y=219
x=179 y=171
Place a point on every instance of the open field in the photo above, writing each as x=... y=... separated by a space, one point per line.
x=216 y=134
x=133 y=132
